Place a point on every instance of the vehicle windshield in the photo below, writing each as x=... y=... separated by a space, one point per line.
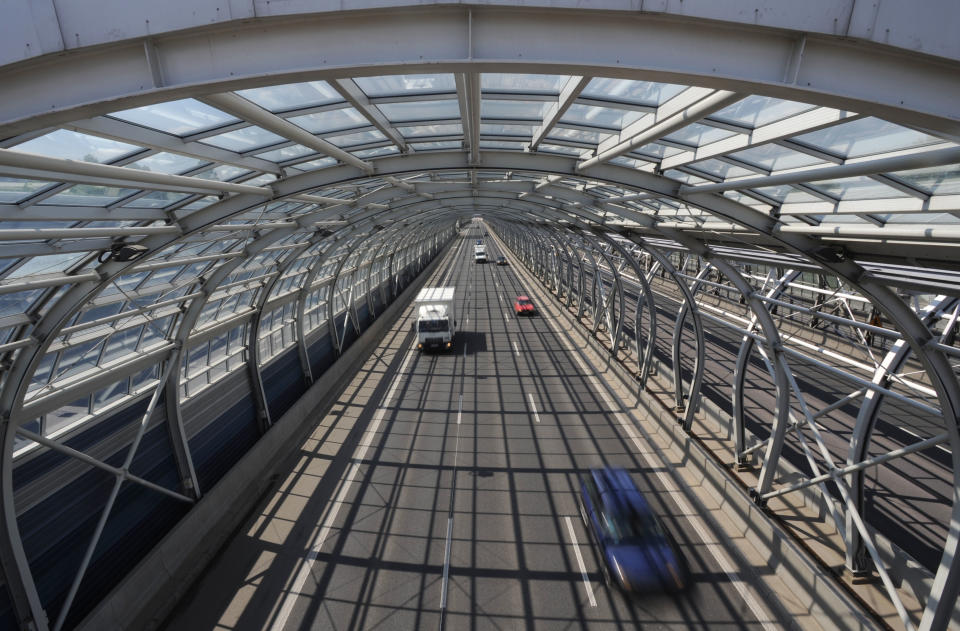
x=631 y=526
x=431 y=326
x=524 y=303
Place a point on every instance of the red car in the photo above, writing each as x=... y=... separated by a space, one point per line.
x=523 y=306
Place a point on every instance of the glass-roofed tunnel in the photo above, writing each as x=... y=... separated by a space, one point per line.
x=739 y=224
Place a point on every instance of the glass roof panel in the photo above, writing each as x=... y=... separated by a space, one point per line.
x=428 y=146
x=376 y=152
x=18 y=303
x=50 y=264
x=521 y=110
x=403 y=84
x=156 y=199
x=89 y=195
x=639 y=92
x=331 y=120
x=12 y=190
x=656 y=150
x=523 y=83
x=593 y=137
x=775 y=158
x=261 y=179
x=179 y=118
x=607 y=117
x=866 y=136
x=942 y=180
x=167 y=163
x=756 y=111
x=222 y=173
x=245 y=139
x=357 y=138
x=197 y=204
x=500 y=144
x=856 y=188
x=721 y=169
x=698 y=134
x=285 y=153
x=292 y=96
x=71 y=145
x=420 y=110
x=312 y=165
x=570 y=151
x=496 y=129
x=786 y=193
x=419 y=131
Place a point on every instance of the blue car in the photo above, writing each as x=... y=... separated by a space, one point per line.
x=637 y=553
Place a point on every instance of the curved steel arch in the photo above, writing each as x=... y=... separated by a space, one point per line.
x=944 y=381
x=785 y=62
x=780 y=63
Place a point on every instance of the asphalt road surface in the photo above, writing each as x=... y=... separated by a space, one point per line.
x=440 y=493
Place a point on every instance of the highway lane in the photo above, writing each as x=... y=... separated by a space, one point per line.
x=454 y=507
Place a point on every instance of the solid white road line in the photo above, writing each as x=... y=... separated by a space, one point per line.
x=583 y=568
x=446 y=564
x=533 y=407
x=334 y=509
x=715 y=549
x=460 y=409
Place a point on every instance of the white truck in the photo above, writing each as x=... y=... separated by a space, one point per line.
x=436 y=321
x=480 y=253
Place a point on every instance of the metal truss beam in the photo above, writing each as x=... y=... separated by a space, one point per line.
x=123 y=131
x=349 y=90
x=568 y=94
x=454 y=39
x=248 y=111
x=678 y=112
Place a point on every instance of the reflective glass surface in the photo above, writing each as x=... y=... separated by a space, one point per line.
x=332 y=120
x=610 y=118
x=756 y=111
x=529 y=83
x=285 y=153
x=866 y=136
x=180 y=118
x=12 y=190
x=420 y=110
x=280 y=98
x=395 y=85
x=167 y=163
x=520 y=110
x=72 y=145
x=245 y=139
x=639 y=92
